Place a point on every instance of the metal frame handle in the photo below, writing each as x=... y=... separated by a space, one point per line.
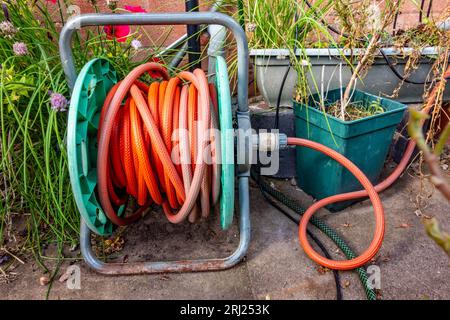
x=65 y=47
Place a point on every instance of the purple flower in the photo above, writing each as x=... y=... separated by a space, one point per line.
x=20 y=49
x=136 y=44
x=58 y=102
x=7 y=29
x=5 y=11
x=4 y=258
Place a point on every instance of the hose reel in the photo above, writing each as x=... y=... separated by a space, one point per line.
x=92 y=87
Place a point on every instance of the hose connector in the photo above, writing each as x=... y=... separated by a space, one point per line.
x=269 y=141
x=282 y=140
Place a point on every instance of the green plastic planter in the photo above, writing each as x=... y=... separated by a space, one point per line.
x=364 y=141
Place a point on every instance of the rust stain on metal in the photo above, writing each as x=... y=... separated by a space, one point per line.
x=164 y=267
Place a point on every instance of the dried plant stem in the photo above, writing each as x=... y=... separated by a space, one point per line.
x=12 y=255
x=438 y=178
x=340 y=91
x=367 y=58
x=361 y=64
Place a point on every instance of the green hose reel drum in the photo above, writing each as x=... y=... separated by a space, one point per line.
x=91 y=87
x=227 y=144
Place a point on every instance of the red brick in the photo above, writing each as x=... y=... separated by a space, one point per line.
x=155 y=32
x=409 y=6
x=408 y=18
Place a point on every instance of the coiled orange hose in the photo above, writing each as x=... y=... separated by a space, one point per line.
x=155 y=146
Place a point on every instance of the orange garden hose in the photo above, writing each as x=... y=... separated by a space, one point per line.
x=369 y=190
x=143 y=151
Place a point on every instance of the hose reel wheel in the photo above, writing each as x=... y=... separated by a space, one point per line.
x=91 y=87
x=227 y=144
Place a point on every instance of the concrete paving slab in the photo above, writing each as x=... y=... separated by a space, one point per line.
x=412 y=266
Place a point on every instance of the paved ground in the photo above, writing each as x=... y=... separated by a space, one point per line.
x=412 y=266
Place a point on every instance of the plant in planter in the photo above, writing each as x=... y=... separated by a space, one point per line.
x=411 y=55
x=365 y=141
x=357 y=124
x=407 y=54
x=415 y=74
x=378 y=21
x=280 y=27
x=277 y=32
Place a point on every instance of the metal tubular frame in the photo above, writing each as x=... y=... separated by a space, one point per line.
x=182 y=40
x=67 y=60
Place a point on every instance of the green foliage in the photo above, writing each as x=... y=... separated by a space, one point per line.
x=356 y=109
x=284 y=24
x=435 y=233
x=34 y=179
x=292 y=25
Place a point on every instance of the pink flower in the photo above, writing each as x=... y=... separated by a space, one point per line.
x=20 y=49
x=7 y=29
x=135 y=9
x=120 y=32
x=52 y=1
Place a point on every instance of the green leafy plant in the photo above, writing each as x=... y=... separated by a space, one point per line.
x=290 y=25
x=35 y=190
x=283 y=24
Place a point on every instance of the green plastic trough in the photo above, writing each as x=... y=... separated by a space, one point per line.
x=364 y=141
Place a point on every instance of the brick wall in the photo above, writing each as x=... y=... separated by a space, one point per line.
x=151 y=6
x=408 y=17
x=410 y=13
